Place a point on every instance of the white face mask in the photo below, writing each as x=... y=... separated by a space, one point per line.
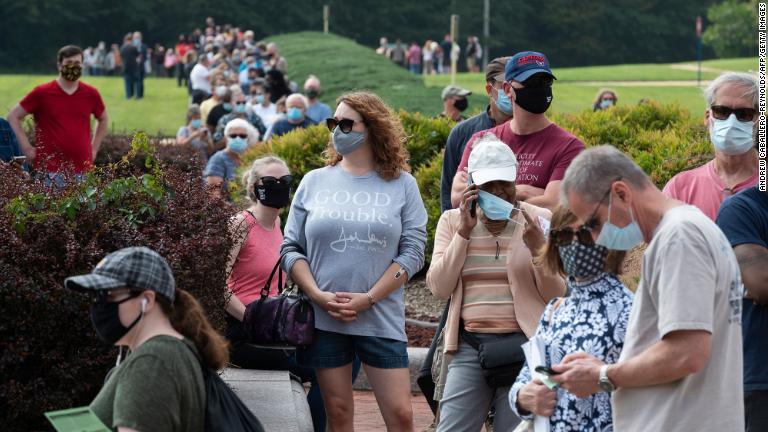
x=731 y=136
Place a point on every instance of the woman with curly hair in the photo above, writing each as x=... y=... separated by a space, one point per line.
x=355 y=234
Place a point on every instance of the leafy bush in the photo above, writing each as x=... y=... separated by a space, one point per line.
x=428 y=179
x=50 y=357
x=183 y=158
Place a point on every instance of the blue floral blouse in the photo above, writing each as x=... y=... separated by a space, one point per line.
x=593 y=319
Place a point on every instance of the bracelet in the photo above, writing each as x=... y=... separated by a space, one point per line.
x=371 y=301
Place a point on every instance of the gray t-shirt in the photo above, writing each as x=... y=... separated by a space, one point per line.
x=690 y=281
x=350 y=229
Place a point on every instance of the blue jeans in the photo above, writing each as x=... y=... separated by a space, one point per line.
x=414 y=68
x=134 y=86
x=332 y=350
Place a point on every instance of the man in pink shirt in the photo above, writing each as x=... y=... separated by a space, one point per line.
x=544 y=150
x=732 y=99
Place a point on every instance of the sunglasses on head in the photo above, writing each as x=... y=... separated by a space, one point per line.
x=345 y=125
x=233 y=136
x=721 y=112
x=285 y=180
x=565 y=236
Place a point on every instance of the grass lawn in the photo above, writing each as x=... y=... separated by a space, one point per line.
x=162 y=110
x=343 y=65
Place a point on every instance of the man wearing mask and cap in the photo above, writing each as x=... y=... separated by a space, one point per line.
x=62 y=110
x=317 y=111
x=455 y=102
x=732 y=99
x=543 y=148
x=498 y=111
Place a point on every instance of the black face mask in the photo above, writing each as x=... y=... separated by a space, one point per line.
x=105 y=317
x=461 y=104
x=275 y=196
x=313 y=94
x=535 y=100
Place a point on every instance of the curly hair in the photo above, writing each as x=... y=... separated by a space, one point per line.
x=386 y=135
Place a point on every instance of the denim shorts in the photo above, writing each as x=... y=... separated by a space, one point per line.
x=332 y=350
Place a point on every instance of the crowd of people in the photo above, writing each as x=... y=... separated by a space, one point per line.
x=534 y=230
x=433 y=58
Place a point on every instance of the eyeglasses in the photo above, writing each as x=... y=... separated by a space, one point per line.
x=344 y=124
x=721 y=112
x=564 y=236
x=285 y=180
x=233 y=136
x=592 y=222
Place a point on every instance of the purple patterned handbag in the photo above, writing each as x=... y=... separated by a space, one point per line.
x=287 y=319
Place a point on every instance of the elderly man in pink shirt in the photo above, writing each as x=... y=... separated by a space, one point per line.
x=732 y=99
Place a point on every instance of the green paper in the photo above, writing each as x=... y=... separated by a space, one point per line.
x=80 y=419
x=548 y=382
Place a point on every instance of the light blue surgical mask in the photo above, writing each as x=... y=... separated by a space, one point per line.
x=196 y=123
x=237 y=145
x=503 y=103
x=605 y=103
x=347 y=143
x=494 y=208
x=294 y=114
x=259 y=99
x=227 y=106
x=615 y=238
x=240 y=108
x=731 y=136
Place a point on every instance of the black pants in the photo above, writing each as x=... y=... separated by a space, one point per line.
x=756 y=410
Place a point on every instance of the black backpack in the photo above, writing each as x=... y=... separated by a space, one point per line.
x=224 y=411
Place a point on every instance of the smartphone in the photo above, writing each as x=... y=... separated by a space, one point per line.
x=19 y=160
x=546 y=371
x=473 y=204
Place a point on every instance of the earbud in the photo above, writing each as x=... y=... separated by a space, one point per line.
x=144 y=305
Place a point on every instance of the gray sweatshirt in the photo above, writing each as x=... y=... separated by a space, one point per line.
x=350 y=229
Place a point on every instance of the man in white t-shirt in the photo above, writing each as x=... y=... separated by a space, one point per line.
x=200 y=75
x=260 y=104
x=681 y=366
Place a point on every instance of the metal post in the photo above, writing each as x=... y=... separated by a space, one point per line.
x=698 y=49
x=486 y=31
x=454 y=36
x=326 y=17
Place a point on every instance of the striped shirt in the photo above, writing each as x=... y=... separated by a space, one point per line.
x=487 y=304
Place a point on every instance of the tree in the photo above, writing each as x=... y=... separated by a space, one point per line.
x=732 y=32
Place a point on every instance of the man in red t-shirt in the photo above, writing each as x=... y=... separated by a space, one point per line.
x=62 y=111
x=543 y=149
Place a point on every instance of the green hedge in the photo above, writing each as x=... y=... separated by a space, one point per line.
x=663 y=139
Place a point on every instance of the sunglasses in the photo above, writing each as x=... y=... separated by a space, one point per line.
x=344 y=124
x=721 y=112
x=243 y=136
x=285 y=180
x=565 y=236
x=592 y=223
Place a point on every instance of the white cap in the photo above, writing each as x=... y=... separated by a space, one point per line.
x=491 y=160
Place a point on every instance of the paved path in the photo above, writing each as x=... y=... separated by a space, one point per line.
x=368 y=417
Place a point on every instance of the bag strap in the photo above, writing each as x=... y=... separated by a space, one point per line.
x=267 y=286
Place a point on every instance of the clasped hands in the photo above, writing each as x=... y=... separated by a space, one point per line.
x=343 y=306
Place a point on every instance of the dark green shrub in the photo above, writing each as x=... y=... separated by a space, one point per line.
x=50 y=357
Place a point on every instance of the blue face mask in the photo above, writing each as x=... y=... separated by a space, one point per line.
x=259 y=99
x=240 y=108
x=227 y=106
x=294 y=114
x=196 y=123
x=605 y=103
x=494 y=207
x=615 y=238
x=237 y=145
x=503 y=103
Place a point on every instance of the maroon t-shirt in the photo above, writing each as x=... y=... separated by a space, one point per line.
x=542 y=156
x=63 y=124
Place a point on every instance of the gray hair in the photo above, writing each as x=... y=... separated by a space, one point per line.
x=740 y=79
x=253 y=134
x=256 y=171
x=192 y=110
x=592 y=172
x=294 y=96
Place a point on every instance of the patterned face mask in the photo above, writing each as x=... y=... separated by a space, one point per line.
x=71 y=72
x=583 y=261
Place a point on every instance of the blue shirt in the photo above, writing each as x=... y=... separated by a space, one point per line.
x=454 y=149
x=350 y=229
x=593 y=319
x=319 y=112
x=9 y=146
x=744 y=220
x=221 y=165
x=282 y=127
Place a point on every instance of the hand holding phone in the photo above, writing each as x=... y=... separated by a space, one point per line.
x=546 y=371
x=473 y=204
x=19 y=160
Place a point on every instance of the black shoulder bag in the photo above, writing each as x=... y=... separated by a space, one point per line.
x=501 y=359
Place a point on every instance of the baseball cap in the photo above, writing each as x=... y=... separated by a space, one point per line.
x=495 y=69
x=136 y=268
x=525 y=64
x=491 y=160
x=453 y=90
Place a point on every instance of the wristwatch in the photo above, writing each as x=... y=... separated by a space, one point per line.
x=603 y=380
